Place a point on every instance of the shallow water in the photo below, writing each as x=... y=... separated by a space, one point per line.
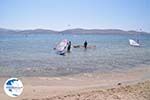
x=33 y=54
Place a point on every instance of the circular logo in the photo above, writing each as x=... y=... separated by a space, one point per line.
x=13 y=87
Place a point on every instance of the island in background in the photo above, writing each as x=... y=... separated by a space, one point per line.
x=71 y=31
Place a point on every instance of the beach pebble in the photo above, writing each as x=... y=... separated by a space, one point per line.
x=119 y=84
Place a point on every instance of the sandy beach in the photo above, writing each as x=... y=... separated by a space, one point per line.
x=131 y=85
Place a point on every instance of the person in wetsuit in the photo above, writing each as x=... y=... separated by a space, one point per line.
x=69 y=46
x=85 y=44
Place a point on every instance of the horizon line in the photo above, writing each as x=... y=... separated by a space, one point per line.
x=75 y=28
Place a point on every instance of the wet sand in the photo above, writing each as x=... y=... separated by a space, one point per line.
x=131 y=85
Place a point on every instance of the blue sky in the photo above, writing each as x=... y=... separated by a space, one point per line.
x=66 y=14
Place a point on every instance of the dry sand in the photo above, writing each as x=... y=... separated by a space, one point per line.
x=131 y=85
x=139 y=91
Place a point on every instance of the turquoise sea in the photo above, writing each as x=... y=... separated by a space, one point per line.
x=33 y=54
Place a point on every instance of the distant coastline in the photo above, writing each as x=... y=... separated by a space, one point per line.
x=70 y=31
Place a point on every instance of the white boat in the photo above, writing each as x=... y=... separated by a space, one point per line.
x=61 y=47
x=134 y=43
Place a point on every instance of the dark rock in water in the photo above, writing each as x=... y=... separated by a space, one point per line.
x=119 y=84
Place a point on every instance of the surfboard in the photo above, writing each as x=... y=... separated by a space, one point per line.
x=81 y=46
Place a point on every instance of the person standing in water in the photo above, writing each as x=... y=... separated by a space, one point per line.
x=85 y=44
x=69 y=46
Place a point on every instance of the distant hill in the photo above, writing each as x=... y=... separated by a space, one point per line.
x=35 y=31
x=69 y=31
x=6 y=31
x=94 y=31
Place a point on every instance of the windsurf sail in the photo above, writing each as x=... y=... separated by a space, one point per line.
x=133 y=43
x=61 y=47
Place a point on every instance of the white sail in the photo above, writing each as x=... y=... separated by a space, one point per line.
x=61 y=47
x=133 y=43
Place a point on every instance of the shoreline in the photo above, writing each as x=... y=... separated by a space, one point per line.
x=40 y=71
x=40 y=88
